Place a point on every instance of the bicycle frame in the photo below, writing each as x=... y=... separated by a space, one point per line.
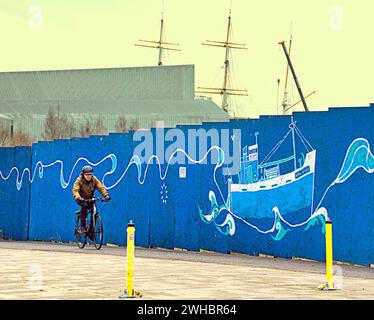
x=93 y=212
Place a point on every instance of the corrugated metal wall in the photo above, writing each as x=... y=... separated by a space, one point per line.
x=15 y=206
x=145 y=95
x=5 y=123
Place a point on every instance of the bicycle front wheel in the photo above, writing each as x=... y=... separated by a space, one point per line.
x=98 y=234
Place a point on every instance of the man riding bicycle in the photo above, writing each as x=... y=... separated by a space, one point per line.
x=84 y=188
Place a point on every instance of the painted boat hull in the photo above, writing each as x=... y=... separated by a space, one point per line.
x=289 y=193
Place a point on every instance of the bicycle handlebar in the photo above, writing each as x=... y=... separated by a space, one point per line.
x=95 y=199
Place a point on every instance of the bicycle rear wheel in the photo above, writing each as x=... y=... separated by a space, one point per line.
x=79 y=236
x=97 y=234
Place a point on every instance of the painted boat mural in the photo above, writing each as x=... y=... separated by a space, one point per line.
x=264 y=192
x=262 y=186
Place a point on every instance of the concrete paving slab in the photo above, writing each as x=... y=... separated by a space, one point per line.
x=37 y=270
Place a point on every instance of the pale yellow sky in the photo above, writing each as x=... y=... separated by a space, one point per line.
x=332 y=48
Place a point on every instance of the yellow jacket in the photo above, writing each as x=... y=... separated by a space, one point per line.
x=86 y=189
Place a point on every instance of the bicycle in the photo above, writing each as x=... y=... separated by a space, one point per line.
x=95 y=229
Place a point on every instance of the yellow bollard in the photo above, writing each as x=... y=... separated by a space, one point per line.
x=329 y=285
x=130 y=257
x=329 y=260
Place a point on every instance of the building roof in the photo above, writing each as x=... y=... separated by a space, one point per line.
x=138 y=83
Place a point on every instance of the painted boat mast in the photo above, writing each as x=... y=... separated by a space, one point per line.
x=293 y=142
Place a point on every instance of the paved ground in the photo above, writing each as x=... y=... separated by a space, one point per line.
x=37 y=270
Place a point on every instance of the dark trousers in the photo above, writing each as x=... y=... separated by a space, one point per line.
x=85 y=208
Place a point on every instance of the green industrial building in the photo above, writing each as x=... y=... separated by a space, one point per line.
x=143 y=95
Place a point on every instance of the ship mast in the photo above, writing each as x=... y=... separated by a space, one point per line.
x=285 y=103
x=225 y=91
x=294 y=76
x=287 y=106
x=160 y=44
x=224 y=96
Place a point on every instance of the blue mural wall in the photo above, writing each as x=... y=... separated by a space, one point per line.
x=14 y=215
x=191 y=204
